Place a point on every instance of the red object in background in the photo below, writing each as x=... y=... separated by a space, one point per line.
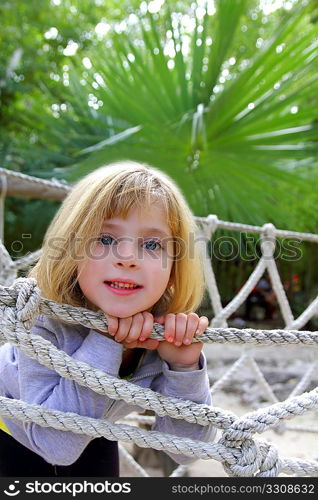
x=295 y=283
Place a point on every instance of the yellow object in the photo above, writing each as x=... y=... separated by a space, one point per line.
x=3 y=426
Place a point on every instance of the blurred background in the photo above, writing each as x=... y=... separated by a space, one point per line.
x=222 y=95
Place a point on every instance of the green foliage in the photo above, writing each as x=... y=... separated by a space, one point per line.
x=237 y=134
x=224 y=102
x=25 y=224
x=33 y=38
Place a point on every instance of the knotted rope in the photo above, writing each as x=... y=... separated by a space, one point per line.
x=237 y=449
x=21 y=305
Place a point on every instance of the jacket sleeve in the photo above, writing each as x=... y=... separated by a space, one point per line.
x=43 y=386
x=192 y=386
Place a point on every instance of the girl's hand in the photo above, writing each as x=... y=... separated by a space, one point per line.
x=133 y=331
x=177 y=349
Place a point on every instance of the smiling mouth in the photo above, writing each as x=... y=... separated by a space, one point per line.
x=122 y=286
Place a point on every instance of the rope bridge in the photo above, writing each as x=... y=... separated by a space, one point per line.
x=238 y=450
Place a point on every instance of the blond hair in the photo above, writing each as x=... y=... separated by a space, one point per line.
x=108 y=192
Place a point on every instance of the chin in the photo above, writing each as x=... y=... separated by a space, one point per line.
x=117 y=313
x=122 y=314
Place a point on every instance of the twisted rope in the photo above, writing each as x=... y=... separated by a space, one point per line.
x=131 y=462
x=27 y=179
x=247 y=228
x=245 y=456
x=68 y=421
x=239 y=453
x=25 y=295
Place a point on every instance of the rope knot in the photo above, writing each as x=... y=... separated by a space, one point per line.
x=247 y=458
x=252 y=458
x=268 y=240
x=271 y=464
x=269 y=229
x=209 y=225
x=28 y=301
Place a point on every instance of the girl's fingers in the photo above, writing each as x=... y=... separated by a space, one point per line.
x=123 y=329
x=135 y=328
x=147 y=327
x=170 y=327
x=192 y=325
x=181 y=326
x=202 y=326
x=112 y=322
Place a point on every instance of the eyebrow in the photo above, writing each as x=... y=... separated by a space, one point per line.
x=144 y=230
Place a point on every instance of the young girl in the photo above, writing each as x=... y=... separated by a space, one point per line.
x=121 y=244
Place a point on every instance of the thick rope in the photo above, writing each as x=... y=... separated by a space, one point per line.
x=205 y=234
x=247 y=228
x=131 y=463
x=27 y=179
x=29 y=413
x=25 y=296
x=255 y=458
x=243 y=458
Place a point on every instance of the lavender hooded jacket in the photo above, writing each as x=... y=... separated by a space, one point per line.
x=24 y=378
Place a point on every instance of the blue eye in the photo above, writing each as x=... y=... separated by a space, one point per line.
x=105 y=240
x=153 y=244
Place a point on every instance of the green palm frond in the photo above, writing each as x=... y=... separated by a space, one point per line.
x=239 y=135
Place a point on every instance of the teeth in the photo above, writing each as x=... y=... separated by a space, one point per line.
x=116 y=284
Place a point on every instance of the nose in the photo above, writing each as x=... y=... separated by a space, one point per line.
x=125 y=256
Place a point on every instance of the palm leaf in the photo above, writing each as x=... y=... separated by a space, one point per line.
x=242 y=146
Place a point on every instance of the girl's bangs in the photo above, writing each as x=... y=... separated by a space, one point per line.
x=136 y=197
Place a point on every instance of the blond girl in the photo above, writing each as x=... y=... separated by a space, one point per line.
x=122 y=242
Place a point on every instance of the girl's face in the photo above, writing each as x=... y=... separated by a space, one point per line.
x=136 y=252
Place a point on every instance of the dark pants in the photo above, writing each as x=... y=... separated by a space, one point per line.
x=99 y=459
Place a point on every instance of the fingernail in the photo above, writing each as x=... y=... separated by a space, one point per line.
x=170 y=339
x=197 y=331
x=186 y=341
x=178 y=343
x=141 y=339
